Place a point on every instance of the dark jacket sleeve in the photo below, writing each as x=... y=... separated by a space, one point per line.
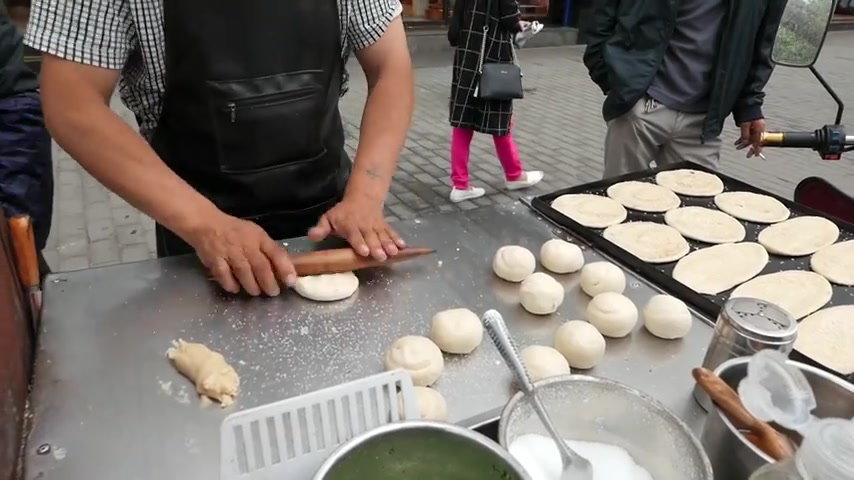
x=749 y=104
x=455 y=25
x=600 y=29
x=509 y=15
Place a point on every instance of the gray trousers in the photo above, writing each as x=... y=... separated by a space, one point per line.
x=651 y=132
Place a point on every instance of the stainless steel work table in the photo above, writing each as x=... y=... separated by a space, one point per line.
x=109 y=405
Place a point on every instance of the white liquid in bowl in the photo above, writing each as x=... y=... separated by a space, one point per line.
x=541 y=459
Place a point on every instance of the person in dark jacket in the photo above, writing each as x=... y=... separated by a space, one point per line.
x=26 y=169
x=673 y=72
x=469 y=114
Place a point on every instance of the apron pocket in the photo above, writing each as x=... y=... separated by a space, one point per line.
x=268 y=122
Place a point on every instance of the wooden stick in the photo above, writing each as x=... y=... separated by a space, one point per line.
x=340 y=260
x=24 y=244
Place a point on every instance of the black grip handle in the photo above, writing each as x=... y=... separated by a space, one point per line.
x=799 y=140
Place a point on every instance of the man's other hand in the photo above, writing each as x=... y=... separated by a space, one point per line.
x=360 y=221
x=751 y=136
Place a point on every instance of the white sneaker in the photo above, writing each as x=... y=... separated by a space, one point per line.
x=528 y=179
x=458 y=195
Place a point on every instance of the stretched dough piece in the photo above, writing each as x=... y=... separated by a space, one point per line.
x=692 y=183
x=827 y=336
x=799 y=236
x=327 y=288
x=798 y=292
x=705 y=225
x=592 y=211
x=212 y=375
x=649 y=241
x=644 y=197
x=716 y=269
x=752 y=207
x=835 y=263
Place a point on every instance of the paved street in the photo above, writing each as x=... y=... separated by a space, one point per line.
x=558 y=128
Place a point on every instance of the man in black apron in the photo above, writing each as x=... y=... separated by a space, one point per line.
x=249 y=120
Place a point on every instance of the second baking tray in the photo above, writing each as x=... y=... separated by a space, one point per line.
x=661 y=274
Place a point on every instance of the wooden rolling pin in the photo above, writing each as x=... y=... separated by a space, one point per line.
x=338 y=260
x=765 y=437
x=27 y=261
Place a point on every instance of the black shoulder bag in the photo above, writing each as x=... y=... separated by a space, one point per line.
x=497 y=81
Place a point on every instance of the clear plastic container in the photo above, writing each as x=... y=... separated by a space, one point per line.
x=775 y=391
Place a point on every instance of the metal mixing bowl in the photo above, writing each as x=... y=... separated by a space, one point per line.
x=421 y=450
x=599 y=410
x=732 y=455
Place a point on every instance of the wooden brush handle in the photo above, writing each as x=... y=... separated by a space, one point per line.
x=338 y=260
x=726 y=398
x=24 y=244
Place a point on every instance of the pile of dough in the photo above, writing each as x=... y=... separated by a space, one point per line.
x=835 y=263
x=613 y=314
x=561 y=257
x=716 y=269
x=599 y=277
x=418 y=356
x=798 y=292
x=541 y=294
x=591 y=211
x=543 y=362
x=644 y=197
x=827 y=337
x=705 y=225
x=752 y=207
x=431 y=404
x=580 y=343
x=649 y=241
x=327 y=288
x=667 y=317
x=513 y=263
x=799 y=236
x=692 y=183
x=457 y=330
x=213 y=377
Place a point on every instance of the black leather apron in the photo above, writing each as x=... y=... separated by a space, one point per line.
x=250 y=116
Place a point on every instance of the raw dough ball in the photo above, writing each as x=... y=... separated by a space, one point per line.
x=796 y=291
x=649 y=241
x=457 y=330
x=613 y=314
x=799 y=236
x=705 y=225
x=599 y=277
x=835 y=263
x=716 y=269
x=431 y=404
x=591 y=211
x=580 y=343
x=543 y=362
x=826 y=336
x=667 y=317
x=327 y=288
x=514 y=263
x=644 y=196
x=559 y=256
x=752 y=207
x=213 y=377
x=541 y=294
x=693 y=183
x=418 y=356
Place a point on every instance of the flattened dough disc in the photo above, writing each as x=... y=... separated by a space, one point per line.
x=796 y=291
x=716 y=269
x=327 y=288
x=592 y=211
x=752 y=207
x=649 y=241
x=692 y=183
x=826 y=336
x=705 y=225
x=644 y=196
x=835 y=263
x=799 y=236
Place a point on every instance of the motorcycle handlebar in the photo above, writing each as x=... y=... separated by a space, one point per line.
x=791 y=139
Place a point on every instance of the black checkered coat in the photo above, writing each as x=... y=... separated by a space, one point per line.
x=486 y=116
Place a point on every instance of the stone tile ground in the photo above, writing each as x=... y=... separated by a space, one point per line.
x=558 y=128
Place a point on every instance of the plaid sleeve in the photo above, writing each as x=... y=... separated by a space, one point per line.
x=369 y=21
x=93 y=32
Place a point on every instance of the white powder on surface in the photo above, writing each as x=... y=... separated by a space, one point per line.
x=540 y=458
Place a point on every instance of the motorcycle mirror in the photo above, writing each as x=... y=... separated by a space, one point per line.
x=802 y=30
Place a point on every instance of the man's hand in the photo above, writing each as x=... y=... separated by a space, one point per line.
x=360 y=221
x=239 y=253
x=751 y=136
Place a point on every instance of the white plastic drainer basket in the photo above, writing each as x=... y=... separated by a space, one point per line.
x=290 y=439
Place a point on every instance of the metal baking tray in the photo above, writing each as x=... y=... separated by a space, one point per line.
x=661 y=274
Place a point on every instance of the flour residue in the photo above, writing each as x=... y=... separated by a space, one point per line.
x=541 y=459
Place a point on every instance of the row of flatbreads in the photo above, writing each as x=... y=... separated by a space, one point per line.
x=730 y=262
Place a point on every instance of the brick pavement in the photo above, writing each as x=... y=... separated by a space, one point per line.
x=558 y=128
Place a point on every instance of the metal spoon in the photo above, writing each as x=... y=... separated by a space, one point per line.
x=575 y=467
